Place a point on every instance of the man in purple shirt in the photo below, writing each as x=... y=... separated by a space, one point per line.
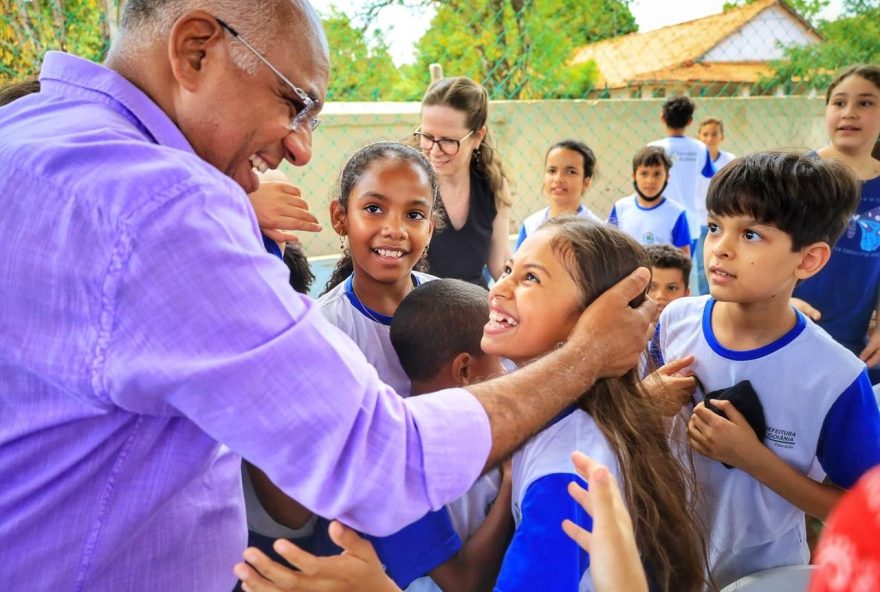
x=147 y=342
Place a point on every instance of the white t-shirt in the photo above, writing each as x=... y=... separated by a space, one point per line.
x=717 y=164
x=541 y=556
x=531 y=223
x=370 y=330
x=664 y=223
x=817 y=403
x=690 y=162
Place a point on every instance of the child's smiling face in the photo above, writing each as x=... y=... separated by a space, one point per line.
x=534 y=305
x=387 y=221
x=564 y=178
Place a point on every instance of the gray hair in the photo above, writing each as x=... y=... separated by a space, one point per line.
x=144 y=22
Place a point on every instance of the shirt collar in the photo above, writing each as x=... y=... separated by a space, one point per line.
x=61 y=71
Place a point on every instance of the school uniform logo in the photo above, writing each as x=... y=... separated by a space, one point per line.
x=869 y=224
x=780 y=438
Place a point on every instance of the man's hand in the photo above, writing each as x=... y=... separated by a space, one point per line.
x=357 y=568
x=731 y=441
x=281 y=210
x=671 y=385
x=611 y=332
x=615 y=565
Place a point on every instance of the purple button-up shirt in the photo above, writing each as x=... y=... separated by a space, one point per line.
x=147 y=340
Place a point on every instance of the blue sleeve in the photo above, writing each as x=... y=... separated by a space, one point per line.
x=541 y=556
x=681 y=232
x=654 y=351
x=612 y=217
x=708 y=168
x=521 y=237
x=849 y=442
x=416 y=549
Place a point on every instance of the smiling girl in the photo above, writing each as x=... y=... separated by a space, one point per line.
x=842 y=297
x=386 y=211
x=568 y=174
x=554 y=275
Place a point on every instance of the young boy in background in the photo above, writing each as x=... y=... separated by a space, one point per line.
x=711 y=133
x=670 y=269
x=772 y=220
x=647 y=215
x=690 y=161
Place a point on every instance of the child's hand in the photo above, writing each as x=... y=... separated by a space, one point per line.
x=805 y=308
x=731 y=441
x=280 y=210
x=671 y=385
x=507 y=471
x=871 y=354
x=614 y=558
x=357 y=568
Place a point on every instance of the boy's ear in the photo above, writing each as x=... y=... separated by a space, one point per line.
x=337 y=218
x=462 y=371
x=813 y=259
x=589 y=181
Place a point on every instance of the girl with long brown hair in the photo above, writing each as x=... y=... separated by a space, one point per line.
x=536 y=302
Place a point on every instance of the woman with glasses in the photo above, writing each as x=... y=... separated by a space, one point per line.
x=473 y=186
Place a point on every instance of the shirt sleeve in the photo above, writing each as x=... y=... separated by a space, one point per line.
x=612 y=217
x=849 y=442
x=541 y=556
x=521 y=237
x=708 y=170
x=681 y=233
x=416 y=549
x=200 y=323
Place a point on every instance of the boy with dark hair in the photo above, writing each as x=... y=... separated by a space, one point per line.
x=670 y=269
x=648 y=216
x=691 y=162
x=776 y=392
x=453 y=313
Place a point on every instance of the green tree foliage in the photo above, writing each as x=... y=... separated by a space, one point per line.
x=519 y=49
x=29 y=28
x=361 y=68
x=809 y=10
x=854 y=38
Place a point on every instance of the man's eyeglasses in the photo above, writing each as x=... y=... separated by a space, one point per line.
x=448 y=146
x=303 y=114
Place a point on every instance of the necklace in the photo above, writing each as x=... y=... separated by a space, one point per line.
x=359 y=304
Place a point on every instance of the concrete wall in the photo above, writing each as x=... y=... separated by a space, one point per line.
x=524 y=130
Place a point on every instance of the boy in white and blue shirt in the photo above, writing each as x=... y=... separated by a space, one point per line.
x=647 y=215
x=772 y=220
x=691 y=161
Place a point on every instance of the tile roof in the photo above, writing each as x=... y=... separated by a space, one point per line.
x=672 y=53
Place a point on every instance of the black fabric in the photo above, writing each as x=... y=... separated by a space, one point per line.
x=463 y=253
x=742 y=396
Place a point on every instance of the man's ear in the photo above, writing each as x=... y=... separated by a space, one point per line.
x=813 y=259
x=337 y=218
x=195 y=38
x=462 y=371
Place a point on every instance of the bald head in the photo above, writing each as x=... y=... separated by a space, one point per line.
x=264 y=23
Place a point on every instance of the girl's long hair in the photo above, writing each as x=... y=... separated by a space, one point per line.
x=354 y=170
x=655 y=484
x=463 y=94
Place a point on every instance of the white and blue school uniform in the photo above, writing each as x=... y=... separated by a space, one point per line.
x=418 y=548
x=531 y=223
x=466 y=514
x=541 y=556
x=662 y=223
x=818 y=404
x=691 y=161
x=369 y=329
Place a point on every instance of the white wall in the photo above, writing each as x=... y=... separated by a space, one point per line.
x=762 y=38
